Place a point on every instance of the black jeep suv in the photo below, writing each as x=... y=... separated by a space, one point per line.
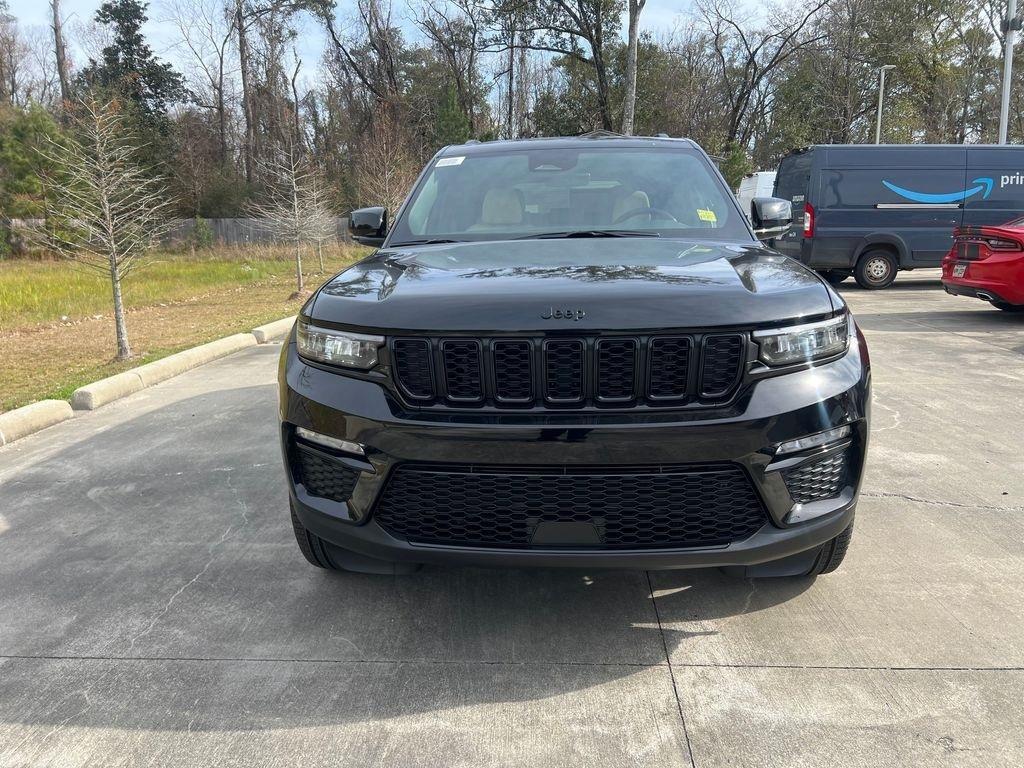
x=574 y=352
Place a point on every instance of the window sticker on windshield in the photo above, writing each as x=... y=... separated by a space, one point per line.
x=445 y=161
x=706 y=214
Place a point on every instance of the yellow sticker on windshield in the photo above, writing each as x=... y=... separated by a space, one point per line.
x=706 y=214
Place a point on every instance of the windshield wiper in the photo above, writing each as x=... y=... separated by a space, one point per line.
x=426 y=241
x=590 y=233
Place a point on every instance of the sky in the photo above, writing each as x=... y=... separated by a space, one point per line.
x=659 y=16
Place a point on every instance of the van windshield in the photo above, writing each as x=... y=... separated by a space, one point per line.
x=551 y=192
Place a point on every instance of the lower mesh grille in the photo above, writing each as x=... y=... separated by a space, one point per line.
x=323 y=476
x=622 y=507
x=822 y=479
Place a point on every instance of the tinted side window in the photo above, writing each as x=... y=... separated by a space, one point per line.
x=868 y=188
x=793 y=177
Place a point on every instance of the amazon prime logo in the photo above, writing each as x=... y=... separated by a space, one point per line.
x=551 y=313
x=981 y=185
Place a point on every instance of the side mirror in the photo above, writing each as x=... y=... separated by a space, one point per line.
x=368 y=226
x=771 y=217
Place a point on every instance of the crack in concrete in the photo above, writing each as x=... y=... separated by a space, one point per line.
x=671 y=672
x=494 y=662
x=937 y=502
x=212 y=550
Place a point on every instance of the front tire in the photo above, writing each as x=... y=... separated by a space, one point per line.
x=331 y=557
x=312 y=547
x=825 y=559
x=832 y=554
x=876 y=270
x=835 y=276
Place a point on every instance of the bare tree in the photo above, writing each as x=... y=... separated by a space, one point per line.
x=105 y=211
x=286 y=208
x=206 y=29
x=748 y=57
x=321 y=220
x=60 y=52
x=456 y=30
x=386 y=169
x=636 y=7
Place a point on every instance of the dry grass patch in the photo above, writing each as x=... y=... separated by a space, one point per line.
x=174 y=304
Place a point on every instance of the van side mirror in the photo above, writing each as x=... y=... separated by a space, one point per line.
x=368 y=226
x=771 y=217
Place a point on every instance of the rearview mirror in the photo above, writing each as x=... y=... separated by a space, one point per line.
x=771 y=217
x=368 y=226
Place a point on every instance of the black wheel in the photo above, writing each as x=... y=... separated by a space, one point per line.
x=1015 y=308
x=331 y=557
x=876 y=269
x=831 y=554
x=835 y=276
x=313 y=548
x=814 y=562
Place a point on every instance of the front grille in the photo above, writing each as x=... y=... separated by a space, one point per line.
x=569 y=372
x=322 y=475
x=719 y=370
x=817 y=480
x=611 y=507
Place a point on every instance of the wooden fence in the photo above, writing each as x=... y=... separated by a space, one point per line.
x=241 y=231
x=224 y=231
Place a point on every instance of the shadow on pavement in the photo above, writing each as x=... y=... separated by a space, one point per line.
x=149 y=570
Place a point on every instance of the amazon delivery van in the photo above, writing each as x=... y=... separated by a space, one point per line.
x=871 y=210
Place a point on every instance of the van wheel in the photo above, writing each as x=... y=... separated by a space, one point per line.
x=835 y=276
x=876 y=269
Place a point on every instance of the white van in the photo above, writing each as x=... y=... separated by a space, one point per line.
x=757 y=184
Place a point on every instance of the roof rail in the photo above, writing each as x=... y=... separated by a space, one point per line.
x=601 y=134
x=471 y=141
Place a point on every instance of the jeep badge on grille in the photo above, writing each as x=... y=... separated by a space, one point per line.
x=562 y=314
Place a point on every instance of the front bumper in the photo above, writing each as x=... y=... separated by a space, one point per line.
x=766 y=413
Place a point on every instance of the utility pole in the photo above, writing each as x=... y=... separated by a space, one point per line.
x=1010 y=26
x=881 y=94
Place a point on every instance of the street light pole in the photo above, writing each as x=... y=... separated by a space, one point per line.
x=1011 y=25
x=881 y=93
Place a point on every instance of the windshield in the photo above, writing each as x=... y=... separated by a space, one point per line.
x=522 y=193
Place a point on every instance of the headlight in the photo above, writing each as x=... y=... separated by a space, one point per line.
x=327 y=345
x=803 y=343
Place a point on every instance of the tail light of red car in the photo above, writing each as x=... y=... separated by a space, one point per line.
x=980 y=247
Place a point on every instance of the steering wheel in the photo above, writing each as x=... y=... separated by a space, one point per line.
x=654 y=212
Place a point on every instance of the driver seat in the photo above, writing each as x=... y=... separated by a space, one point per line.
x=631 y=202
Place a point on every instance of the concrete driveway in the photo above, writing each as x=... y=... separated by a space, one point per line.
x=154 y=609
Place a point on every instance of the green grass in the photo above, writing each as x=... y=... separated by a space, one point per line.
x=175 y=302
x=34 y=292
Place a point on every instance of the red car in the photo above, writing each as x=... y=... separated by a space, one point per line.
x=987 y=263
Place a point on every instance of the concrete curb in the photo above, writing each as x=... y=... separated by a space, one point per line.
x=32 y=418
x=104 y=391
x=275 y=330
x=36 y=416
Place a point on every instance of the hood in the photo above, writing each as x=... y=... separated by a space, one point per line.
x=600 y=284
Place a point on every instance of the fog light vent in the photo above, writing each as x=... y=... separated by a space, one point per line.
x=323 y=476
x=817 y=480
